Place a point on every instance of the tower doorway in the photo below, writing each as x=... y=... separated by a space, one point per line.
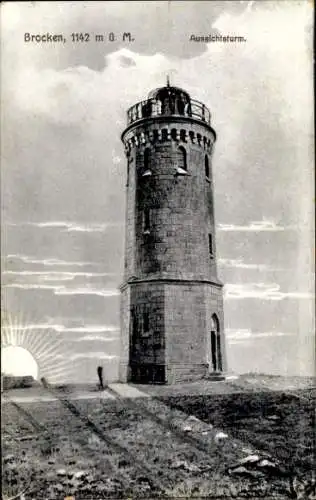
x=215 y=346
x=144 y=368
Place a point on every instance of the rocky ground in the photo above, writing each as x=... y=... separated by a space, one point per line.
x=242 y=442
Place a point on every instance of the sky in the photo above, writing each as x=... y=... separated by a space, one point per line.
x=64 y=172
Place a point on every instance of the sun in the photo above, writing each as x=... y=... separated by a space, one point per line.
x=18 y=362
x=42 y=346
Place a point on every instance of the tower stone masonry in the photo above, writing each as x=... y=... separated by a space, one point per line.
x=172 y=324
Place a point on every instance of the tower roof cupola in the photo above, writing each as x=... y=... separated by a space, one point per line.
x=168 y=92
x=169 y=101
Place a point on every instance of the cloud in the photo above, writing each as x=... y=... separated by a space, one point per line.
x=235 y=336
x=71 y=97
x=88 y=355
x=65 y=329
x=70 y=226
x=239 y=264
x=255 y=226
x=94 y=228
x=270 y=20
x=61 y=290
x=31 y=286
x=35 y=326
x=156 y=33
x=56 y=275
x=89 y=329
x=263 y=291
x=87 y=291
x=50 y=261
x=94 y=338
x=241 y=333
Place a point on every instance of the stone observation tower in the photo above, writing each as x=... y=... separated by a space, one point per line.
x=172 y=325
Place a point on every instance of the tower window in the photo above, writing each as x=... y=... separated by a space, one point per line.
x=164 y=134
x=147 y=159
x=146 y=322
x=174 y=134
x=182 y=158
x=207 y=167
x=210 y=246
x=134 y=333
x=147 y=163
x=146 y=222
x=134 y=322
x=129 y=161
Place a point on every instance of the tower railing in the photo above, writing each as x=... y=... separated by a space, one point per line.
x=172 y=107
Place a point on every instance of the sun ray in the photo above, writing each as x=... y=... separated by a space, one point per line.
x=10 y=326
x=5 y=337
x=13 y=329
x=19 y=328
x=54 y=364
x=46 y=343
x=5 y=334
x=19 y=333
x=23 y=331
x=34 y=341
x=42 y=353
x=58 y=379
x=39 y=343
x=62 y=369
x=23 y=336
x=26 y=331
x=6 y=329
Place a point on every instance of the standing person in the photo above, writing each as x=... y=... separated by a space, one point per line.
x=100 y=375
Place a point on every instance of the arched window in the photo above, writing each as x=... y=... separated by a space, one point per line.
x=146 y=322
x=174 y=134
x=207 y=167
x=210 y=246
x=215 y=323
x=146 y=221
x=147 y=163
x=164 y=134
x=133 y=332
x=129 y=160
x=182 y=159
x=180 y=106
x=147 y=159
x=192 y=136
x=183 y=135
x=216 y=352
